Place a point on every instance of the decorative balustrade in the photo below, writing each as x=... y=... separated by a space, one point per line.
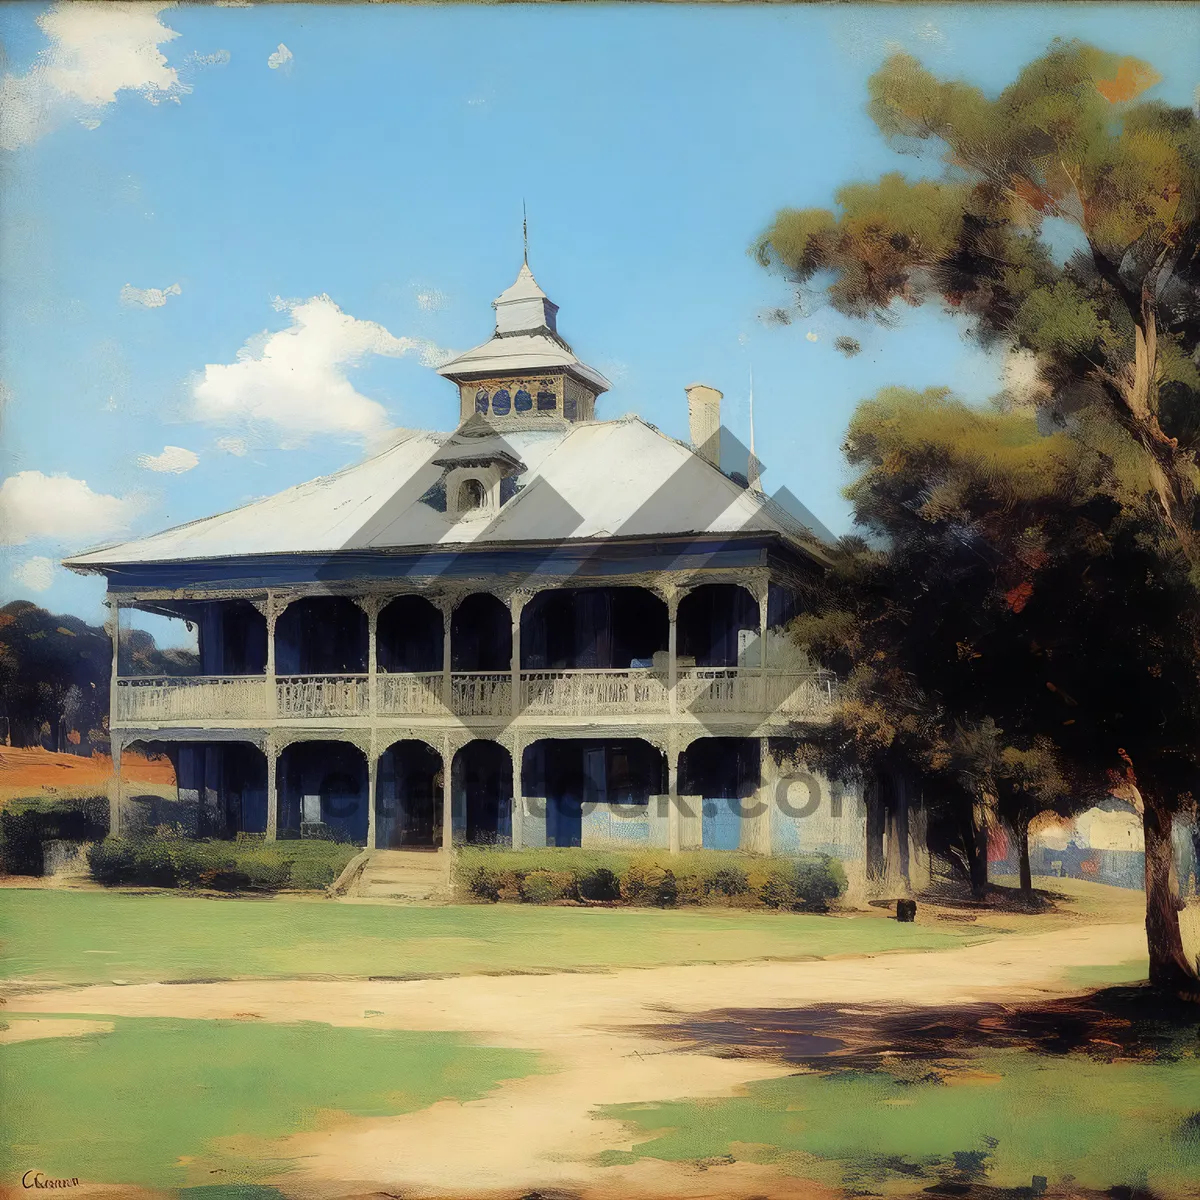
x=595 y=692
x=585 y=693
x=404 y=695
x=191 y=697
x=323 y=695
x=478 y=695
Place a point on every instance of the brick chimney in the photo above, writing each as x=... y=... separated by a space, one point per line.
x=704 y=421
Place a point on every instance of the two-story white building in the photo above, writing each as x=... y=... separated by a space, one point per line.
x=541 y=628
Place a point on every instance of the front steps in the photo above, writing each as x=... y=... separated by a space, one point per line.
x=410 y=875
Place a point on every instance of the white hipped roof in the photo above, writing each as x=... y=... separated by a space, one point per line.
x=597 y=479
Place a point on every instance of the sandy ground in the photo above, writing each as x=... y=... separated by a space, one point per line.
x=539 y=1133
x=33 y=771
x=28 y=1031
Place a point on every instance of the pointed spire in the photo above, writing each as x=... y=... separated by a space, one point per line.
x=524 y=307
x=525 y=231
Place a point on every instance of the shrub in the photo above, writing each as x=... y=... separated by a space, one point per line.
x=483 y=883
x=600 y=884
x=168 y=860
x=544 y=887
x=818 y=883
x=727 y=881
x=26 y=824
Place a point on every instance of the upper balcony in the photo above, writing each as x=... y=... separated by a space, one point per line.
x=570 y=654
x=786 y=695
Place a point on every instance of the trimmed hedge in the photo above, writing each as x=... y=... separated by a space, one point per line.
x=810 y=883
x=247 y=864
x=26 y=824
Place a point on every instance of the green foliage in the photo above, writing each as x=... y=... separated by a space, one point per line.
x=168 y=860
x=27 y=823
x=650 y=878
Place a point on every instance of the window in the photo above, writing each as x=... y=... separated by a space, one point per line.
x=523 y=401
x=501 y=402
x=569 y=409
x=481 y=400
x=470 y=495
x=547 y=401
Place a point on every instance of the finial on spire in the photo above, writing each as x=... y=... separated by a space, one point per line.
x=525 y=230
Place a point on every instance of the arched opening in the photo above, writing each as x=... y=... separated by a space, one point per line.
x=596 y=791
x=321 y=635
x=471 y=495
x=581 y=628
x=219 y=788
x=481 y=400
x=522 y=401
x=482 y=794
x=323 y=792
x=481 y=635
x=501 y=402
x=718 y=626
x=232 y=638
x=408 y=636
x=724 y=773
x=408 y=797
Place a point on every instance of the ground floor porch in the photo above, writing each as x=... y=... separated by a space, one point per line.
x=717 y=792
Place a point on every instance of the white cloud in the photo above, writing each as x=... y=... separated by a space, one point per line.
x=95 y=51
x=1022 y=380
x=431 y=300
x=37 y=574
x=813 y=337
x=34 y=505
x=233 y=445
x=278 y=57
x=296 y=379
x=149 y=297
x=173 y=460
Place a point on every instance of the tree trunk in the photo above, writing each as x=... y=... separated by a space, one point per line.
x=1021 y=829
x=975 y=847
x=1169 y=967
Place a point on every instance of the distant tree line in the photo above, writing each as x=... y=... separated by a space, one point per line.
x=54 y=676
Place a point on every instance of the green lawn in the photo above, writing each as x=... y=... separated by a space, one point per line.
x=165 y=1103
x=94 y=937
x=1011 y=1116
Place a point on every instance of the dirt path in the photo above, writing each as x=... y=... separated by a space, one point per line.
x=539 y=1132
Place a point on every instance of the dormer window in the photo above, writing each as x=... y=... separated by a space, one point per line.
x=471 y=495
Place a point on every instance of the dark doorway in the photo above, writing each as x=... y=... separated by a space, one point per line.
x=232 y=636
x=711 y=621
x=409 y=636
x=725 y=773
x=570 y=773
x=409 y=797
x=323 y=792
x=322 y=635
x=482 y=779
x=481 y=635
x=582 y=628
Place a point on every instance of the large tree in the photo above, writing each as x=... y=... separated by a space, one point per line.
x=1063 y=225
x=1115 y=326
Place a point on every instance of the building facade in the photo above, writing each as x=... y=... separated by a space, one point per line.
x=540 y=629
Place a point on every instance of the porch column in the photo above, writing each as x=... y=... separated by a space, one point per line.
x=271 y=612
x=447 y=607
x=447 y=790
x=756 y=830
x=763 y=597
x=516 y=603
x=272 y=789
x=372 y=788
x=114 y=788
x=672 y=649
x=518 y=800
x=673 y=814
x=372 y=608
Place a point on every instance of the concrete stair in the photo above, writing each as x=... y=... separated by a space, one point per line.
x=411 y=875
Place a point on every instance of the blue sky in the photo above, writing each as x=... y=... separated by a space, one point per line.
x=169 y=202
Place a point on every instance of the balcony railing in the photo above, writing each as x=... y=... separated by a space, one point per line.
x=584 y=693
